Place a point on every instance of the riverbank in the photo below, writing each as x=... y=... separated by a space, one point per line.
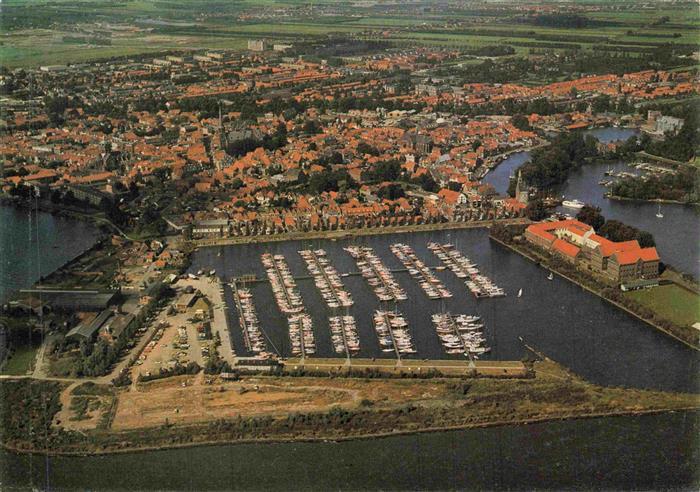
x=49 y=208
x=349 y=233
x=497 y=160
x=199 y=410
x=90 y=216
x=358 y=437
x=650 y=200
x=538 y=258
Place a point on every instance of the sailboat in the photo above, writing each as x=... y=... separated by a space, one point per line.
x=659 y=214
x=520 y=293
x=550 y=276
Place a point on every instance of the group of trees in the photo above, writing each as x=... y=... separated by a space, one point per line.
x=392 y=191
x=270 y=142
x=330 y=180
x=613 y=230
x=389 y=170
x=550 y=166
x=681 y=147
x=177 y=370
x=681 y=186
x=97 y=358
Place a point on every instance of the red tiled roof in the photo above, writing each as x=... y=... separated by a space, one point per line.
x=565 y=248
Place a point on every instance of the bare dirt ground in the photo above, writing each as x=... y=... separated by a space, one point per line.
x=69 y=419
x=151 y=403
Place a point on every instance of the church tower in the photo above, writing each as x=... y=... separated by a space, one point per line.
x=521 y=195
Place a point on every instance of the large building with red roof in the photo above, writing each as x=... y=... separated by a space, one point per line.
x=579 y=244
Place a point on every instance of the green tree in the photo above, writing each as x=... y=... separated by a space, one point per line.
x=592 y=216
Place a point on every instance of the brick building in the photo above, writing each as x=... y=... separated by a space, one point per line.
x=578 y=243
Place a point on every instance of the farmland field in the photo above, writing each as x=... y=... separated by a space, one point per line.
x=39 y=32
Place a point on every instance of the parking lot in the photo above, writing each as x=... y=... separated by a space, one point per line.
x=181 y=335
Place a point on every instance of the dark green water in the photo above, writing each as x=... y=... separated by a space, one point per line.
x=34 y=244
x=650 y=453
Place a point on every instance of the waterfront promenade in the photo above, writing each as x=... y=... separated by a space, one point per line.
x=389 y=367
x=349 y=233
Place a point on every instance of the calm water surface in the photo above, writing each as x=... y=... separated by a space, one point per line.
x=649 y=453
x=35 y=245
x=677 y=235
x=570 y=325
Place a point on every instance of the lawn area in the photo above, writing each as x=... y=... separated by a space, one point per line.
x=671 y=302
x=21 y=361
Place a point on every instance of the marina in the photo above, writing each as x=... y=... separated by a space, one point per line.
x=462 y=334
x=377 y=274
x=464 y=268
x=301 y=334
x=432 y=286
x=326 y=278
x=545 y=303
x=249 y=323
x=283 y=283
x=344 y=335
x=393 y=334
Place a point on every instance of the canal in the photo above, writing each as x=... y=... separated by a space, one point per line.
x=676 y=234
x=650 y=452
x=32 y=245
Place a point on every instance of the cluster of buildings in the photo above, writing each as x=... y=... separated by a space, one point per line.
x=637 y=86
x=625 y=262
x=173 y=120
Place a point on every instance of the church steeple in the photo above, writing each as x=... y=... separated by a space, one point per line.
x=521 y=195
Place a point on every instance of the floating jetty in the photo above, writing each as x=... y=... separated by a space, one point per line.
x=461 y=334
x=377 y=274
x=344 y=335
x=283 y=284
x=248 y=319
x=418 y=270
x=301 y=334
x=464 y=268
x=393 y=334
x=326 y=278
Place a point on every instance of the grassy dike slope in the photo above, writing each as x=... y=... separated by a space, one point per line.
x=271 y=408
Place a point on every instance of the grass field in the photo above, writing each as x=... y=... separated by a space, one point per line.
x=33 y=30
x=20 y=362
x=671 y=302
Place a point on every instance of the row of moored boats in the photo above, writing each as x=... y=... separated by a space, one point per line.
x=393 y=334
x=326 y=278
x=377 y=274
x=284 y=287
x=301 y=334
x=479 y=285
x=248 y=319
x=344 y=334
x=289 y=300
x=420 y=271
x=462 y=334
